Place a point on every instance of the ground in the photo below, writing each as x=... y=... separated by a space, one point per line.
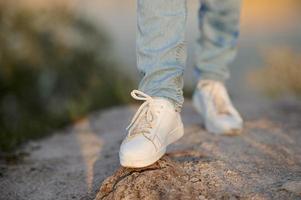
x=81 y=161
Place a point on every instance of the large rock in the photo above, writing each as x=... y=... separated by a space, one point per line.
x=165 y=179
x=264 y=163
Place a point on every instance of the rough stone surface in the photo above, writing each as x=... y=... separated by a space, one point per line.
x=163 y=180
x=293 y=186
x=81 y=161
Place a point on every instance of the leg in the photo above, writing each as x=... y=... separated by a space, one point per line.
x=216 y=48
x=161 y=47
x=161 y=56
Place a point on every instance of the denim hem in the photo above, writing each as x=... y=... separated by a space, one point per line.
x=214 y=77
x=176 y=99
x=202 y=75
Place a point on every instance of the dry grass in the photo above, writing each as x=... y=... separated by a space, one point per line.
x=280 y=75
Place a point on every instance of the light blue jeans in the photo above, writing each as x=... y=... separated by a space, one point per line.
x=161 y=45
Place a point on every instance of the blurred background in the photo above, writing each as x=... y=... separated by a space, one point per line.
x=63 y=59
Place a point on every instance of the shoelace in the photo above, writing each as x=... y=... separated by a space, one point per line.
x=146 y=110
x=214 y=89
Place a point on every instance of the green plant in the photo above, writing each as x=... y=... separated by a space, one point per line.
x=55 y=67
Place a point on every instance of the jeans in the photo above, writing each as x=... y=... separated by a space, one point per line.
x=161 y=46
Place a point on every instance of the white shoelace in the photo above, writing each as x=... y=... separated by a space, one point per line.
x=144 y=118
x=214 y=90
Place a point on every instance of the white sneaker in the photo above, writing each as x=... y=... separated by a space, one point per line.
x=155 y=125
x=212 y=102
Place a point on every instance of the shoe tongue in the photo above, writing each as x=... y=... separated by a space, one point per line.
x=220 y=99
x=217 y=92
x=164 y=101
x=221 y=105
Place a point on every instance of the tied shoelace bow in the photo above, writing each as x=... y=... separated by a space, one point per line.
x=147 y=110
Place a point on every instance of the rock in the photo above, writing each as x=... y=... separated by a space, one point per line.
x=292 y=186
x=75 y=164
x=165 y=179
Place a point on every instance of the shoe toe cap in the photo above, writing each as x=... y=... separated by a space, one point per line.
x=136 y=148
